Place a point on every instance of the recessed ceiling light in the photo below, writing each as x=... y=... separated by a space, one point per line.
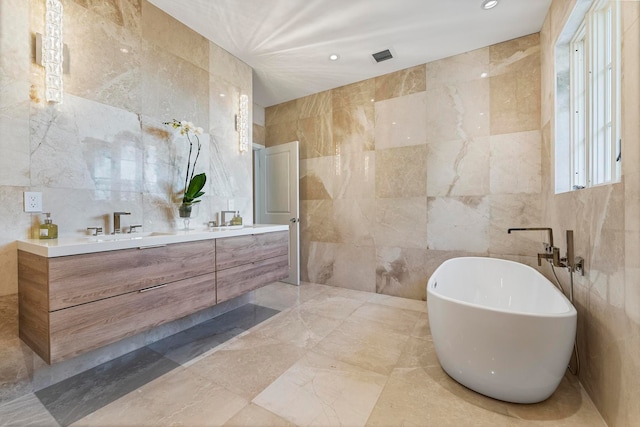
x=489 y=4
x=334 y=57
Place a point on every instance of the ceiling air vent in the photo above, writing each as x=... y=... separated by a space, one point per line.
x=383 y=55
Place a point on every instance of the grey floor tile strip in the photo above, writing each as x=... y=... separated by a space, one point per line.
x=82 y=394
x=76 y=397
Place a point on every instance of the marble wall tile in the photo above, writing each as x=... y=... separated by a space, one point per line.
x=515 y=163
x=230 y=171
x=459 y=111
x=342 y=265
x=459 y=68
x=401 y=172
x=315 y=105
x=355 y=175
x=355 y=220
x=516 y=211
x=317 y=178
x=173 y=36
x=402 y=272
x=226 y=67
x=604 y=220
x=317 y=221
x=123 y=13
x=315 y=135
x=354 y=127
x=281 y=133
x=86 y=145
x=14 y=89
x=353 y=95
x=173 y=87
x=106 y=58
x=400 y=83
x=401 y=223
x=16 y=368
x=558 y=14
x=281 y=113
x=511 y=51
x=259 y=134
x=458 y=168
x=400 y=121
x=515 y=85
x=458 y=223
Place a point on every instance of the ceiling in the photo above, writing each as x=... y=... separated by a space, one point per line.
x=288 y=42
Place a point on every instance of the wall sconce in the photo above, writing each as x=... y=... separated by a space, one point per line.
x=51 y=52
x=242 y=123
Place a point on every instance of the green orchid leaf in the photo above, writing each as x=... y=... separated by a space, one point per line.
x=194 y=190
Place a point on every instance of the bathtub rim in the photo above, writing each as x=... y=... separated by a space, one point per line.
x=570 y=312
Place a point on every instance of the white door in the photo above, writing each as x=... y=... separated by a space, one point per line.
x=278 y=197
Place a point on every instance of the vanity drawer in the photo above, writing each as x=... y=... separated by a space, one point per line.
x=86 y=327
x=79 y=279
x=239 y=280
x=235 y=251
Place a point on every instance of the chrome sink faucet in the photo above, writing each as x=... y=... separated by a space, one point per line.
x=116 y=221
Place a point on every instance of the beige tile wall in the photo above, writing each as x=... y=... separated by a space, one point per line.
x=105 y=148
x=400 y=172
x=606 y=222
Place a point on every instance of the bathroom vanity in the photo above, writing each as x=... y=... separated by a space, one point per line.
x=79 y=294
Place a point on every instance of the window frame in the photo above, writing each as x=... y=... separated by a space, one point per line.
x=594 y=92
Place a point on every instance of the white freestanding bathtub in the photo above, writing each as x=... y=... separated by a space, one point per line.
x=500 y=328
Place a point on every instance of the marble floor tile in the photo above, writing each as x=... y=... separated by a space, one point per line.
x=180 y=397
x=405 y=303
x=364 y=344
x=321 y=391
x=247 y=365
x=388 y=318
x=82 y=394
x=254 y=415
x=187 y=345
x=412 y=397
x=26 y=411
x=335 y=307
x=298 y=327
x=281 y=296
x=332 y=356
x=418 y=352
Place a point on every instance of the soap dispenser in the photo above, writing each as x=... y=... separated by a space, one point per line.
x=237 y=219
x=48 y=230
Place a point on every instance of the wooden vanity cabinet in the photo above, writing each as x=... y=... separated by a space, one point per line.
x=72 y=304
x=245 y=263
x=69 y=305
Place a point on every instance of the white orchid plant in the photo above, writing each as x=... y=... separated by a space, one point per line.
x=193 y=184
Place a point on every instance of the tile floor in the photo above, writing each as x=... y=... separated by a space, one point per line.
x=308 y=355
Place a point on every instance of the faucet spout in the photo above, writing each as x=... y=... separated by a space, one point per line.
x=535 y=229
x=116 y=221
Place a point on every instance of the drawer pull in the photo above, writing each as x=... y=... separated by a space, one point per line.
x=151 y=246
x=153 y=288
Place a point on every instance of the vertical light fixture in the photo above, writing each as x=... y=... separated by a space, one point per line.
x=52 y=51
x=243 y=123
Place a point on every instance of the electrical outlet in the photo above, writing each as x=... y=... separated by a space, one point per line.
x=32 y=201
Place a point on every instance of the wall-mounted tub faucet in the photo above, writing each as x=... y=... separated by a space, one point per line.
x=535 y=229
x=551 y=253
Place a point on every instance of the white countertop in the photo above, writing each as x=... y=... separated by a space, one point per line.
x=65 y=246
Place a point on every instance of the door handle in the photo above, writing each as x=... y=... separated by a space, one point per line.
x=294 y=220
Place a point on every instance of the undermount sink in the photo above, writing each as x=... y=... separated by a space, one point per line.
x=125 y=236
